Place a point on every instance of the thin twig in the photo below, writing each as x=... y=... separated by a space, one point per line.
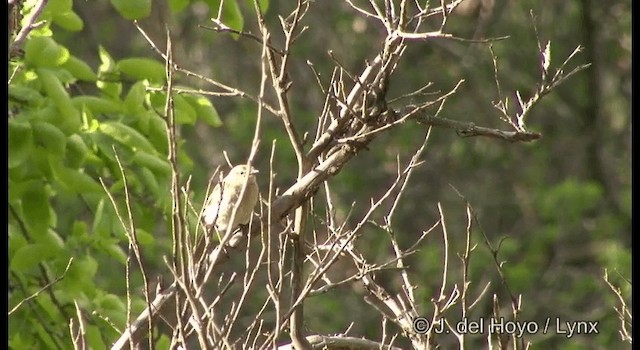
x=468 y=129
x=222 y=28
x=78 y=334
x=47 y=286
x=30 y=25
x=623 y=311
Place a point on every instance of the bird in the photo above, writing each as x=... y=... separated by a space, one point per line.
x=225 y=197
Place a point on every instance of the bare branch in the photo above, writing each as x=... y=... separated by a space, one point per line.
x=18 y=42
x=354 y=113
x=339 y=342
x=222 y=28
x=468 y=129
x=226 y=90
x=623 y=311
x=78 y=333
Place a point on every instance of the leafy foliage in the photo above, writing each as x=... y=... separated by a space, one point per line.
x=64 y=141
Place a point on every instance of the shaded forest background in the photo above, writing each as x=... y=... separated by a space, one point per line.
x=559 y=206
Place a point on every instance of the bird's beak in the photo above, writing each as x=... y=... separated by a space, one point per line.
x=254 y=171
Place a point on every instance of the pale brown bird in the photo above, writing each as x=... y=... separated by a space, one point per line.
x=225 y=196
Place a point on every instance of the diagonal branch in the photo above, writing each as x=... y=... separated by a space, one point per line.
x=47 y=286
x=31 y=24
x=468 y=129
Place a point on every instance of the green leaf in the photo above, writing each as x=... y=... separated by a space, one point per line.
x=83 y=267
x=204 y=109
x=103 y=146
x=97 y=105
x=77 y=150
x=21 y=340
x=53 y=87
x=158 y=132
x=42 y=163
x=19 y=174
x=133 y=9
x=24 y=94
x=79 y=69
x=157 y=99
x=79 y=277
x=111 y=306
x=109 y=77
x=79 y=229
x=163 y=342
x=134 y=101
x=107 y=64
x=64 y=76
x=94 y=338
x=69 y=116
x=151 y=162
x=74 y=181
x=111 y=302
x=48 y=113
x=53 y=240
x=89 y=122
x=28 y=257
x=50 y=138
x=16 y=240
x=133 y=185
x=35 y=208
x=108 y=86
x=264 y=5
x=44 y=334
x=150 y=182
x=43 y=51
x=127 y=136
x=142 y=118
x=45 y=303
x=185 y=113
x=99 y=217
x=20 y=142
x=58 y=6
x=144 y=237
x=69 y=20
x=116 y=252
x=143 y=68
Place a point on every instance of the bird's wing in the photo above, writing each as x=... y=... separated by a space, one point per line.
x=212 y=206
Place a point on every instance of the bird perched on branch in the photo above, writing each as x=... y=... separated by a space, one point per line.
x=225 y=197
